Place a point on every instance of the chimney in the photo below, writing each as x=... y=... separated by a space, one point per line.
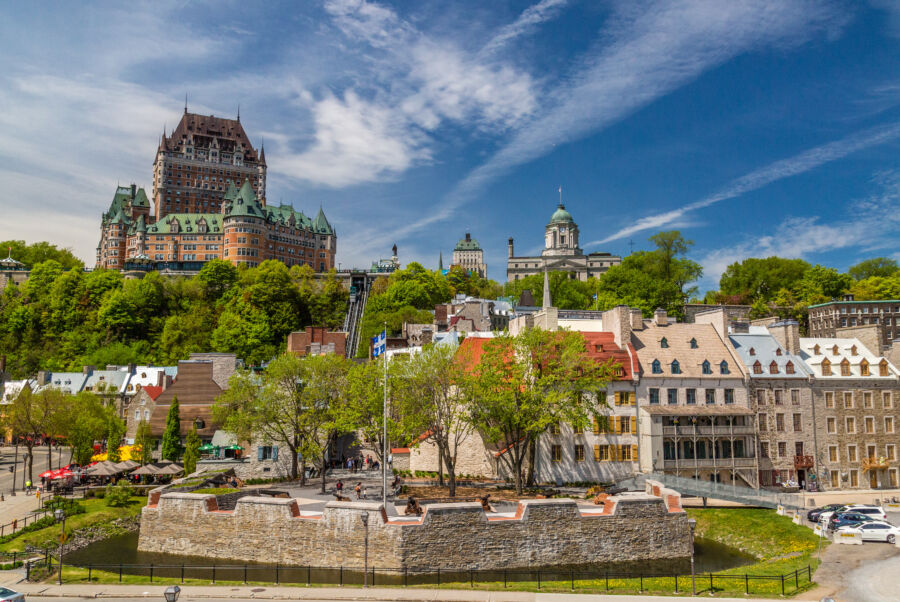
x=132 y=368
x=893 y=353
x=787 y=333
x=717 y=317
x=637 y=319
x=660 y=317
x=468 y=237
x=618 y=321
x=87 y=370
x=133 y=191
x=510 y=247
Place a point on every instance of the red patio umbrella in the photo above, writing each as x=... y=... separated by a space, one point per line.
x=47 y=474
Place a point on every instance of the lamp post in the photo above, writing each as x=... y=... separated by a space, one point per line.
x=692 y=523
x=365 y=522
x=60 y=515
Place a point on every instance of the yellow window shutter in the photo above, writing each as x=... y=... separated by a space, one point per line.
x=633 y=426
x=631 y=398
x=596 y=453
x=634 y=453
x=618 y=453
x=617 y=425
x=596 y=425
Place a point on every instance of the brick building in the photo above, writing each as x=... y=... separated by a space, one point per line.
x=209 y=203
x=317 y=340
x=826 y=319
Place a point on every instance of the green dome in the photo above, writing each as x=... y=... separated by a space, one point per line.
x=561 y=215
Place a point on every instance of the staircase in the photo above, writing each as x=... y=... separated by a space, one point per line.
x=355 y=311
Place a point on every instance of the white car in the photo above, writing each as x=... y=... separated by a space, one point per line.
x=874 y=531
x=876 y=512
x=8 y=595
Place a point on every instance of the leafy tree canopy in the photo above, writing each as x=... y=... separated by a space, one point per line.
x=882 y=267
x=39 y=252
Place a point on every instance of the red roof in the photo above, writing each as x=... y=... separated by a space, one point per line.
x=153 y=391
x=471 y=350
x=399 y=450
x=606 y=341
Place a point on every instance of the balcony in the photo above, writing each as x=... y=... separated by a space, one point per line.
x=708 y=431
x=803 y=462
x=689 y=464
x=874 y=463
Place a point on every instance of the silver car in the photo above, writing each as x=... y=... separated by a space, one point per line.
x=874 y=531
x=8 y=595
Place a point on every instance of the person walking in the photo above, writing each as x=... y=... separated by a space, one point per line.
x=359 y=491
x=339 y=486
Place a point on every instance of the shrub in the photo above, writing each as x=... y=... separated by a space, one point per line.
x=42 y=523
x=118 y=495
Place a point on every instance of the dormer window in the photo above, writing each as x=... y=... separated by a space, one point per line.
x=723 y=368
x=693 y=343
x=853 y=350
x=656 y=367
x=789 y=368
x=883 y=369
x=826 y=367
x=757 y=367
x=664 y=343
x=864 y=368
x=778 y=351
x=598 y=348
x=816 y=350
x=845 y=367
x=834 y=350
x=752 y=351
x=707 y=369
x=773 y=368
x=676 y=367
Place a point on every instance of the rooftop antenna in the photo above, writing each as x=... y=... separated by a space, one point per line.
x=630 y=246
x=185 y=103
x=239 y=113
x=560 y=194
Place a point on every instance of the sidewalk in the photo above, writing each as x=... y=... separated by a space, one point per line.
x=328 y=593
x=17 y=508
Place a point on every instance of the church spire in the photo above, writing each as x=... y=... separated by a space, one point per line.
x=546 y=302
x=441 y=261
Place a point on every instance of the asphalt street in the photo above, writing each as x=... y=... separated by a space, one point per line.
x=41 y=463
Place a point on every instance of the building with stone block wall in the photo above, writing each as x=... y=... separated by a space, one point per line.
x=460 y=536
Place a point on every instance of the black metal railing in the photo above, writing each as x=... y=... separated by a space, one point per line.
x=574 y=579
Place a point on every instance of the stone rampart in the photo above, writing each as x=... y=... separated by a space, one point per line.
x=454 y=536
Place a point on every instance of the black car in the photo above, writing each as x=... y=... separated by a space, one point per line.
x=840 y=519
x=813 y=515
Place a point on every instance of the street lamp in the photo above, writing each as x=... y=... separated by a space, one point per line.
x=60 y=516
x=365 y=522
x=171 y=593
x=692 y=523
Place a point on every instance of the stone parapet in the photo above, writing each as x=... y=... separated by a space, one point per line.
x=456 y=536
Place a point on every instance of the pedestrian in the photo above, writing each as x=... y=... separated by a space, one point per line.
x=365 y=493
x=339 y=486
x=358 y=490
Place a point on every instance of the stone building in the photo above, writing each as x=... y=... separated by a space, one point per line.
x=780 y=391
x=735 y=313
x=856 y=397
x=695 y=418
x=12 y=271
x=469 y=255
x=827 y=319
x=317 y=340
x=209 y=203
x=561 y=253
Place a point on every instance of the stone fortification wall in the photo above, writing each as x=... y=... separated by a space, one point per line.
x=448 y=536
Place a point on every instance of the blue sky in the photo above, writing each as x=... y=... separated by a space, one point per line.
x=756 y=128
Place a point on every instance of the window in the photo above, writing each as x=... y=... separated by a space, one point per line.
x=890 y=452
x=779 y=423
x=864 y=367
x=795 y=397
x=693 y=343
x=654 y=397
x=137 y=415
x=625 y=453
x=625 y=425
x=601 y=453
x=267 y=452
x=833 y=453
x=554 y=428
x=782 y=449
x=845 y=367
x=834 y=350
x=850 y=423
x=676 y=367
x=710 y=396
x=851 y=453
x=854 y=478
x=848 y=400
x=773 y=368
x=764 y=449
x=883 y=368
x=835 y=479
x=729 y=395
x=888 y=424
x=723 y=368
x=707 y=369
x=579 y=453
x=829 y=399
x=778 y=351
x=887 y=400
x=779 y=397
x=831 y=425
x=664 y=343
x=761 y=397
x=691 y=396
x=826 y=367
x=853 y=350
x=869 y=422
x=556 y=453
x=798 y=423
x=672 y=396
x=752 y=351
x=870 y=451
x=867 y=400
x=757 y=367
x=789 y=368
x=763 y=422
x=656 y=367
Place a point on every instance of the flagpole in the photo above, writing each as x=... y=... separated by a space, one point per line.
x=384 y=444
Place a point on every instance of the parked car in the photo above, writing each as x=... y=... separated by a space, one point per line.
x=875 y=512
x=8 y=595
x=813 y=515
x=874 y=531
x=841 y=519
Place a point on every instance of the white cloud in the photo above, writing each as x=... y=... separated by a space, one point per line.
x=754 y=180
x=528 y=21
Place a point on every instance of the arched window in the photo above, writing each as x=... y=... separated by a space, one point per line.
x=757 y=367
x=723 y=368
x=789 y=368
x=773 y=368
x=845 y=367
x=656 y=367
x=676 y=367
x=864 y=368
x=664 y=343
x=707 y=369
x=826 y=367
x=693 y=343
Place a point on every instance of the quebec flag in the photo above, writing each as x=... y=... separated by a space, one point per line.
x=379 y=343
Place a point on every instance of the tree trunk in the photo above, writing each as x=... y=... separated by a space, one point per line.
x=30 y=460
x=440 y=466
x=517 y=469
x=324 y=465
x=532 y=461
x=303 y=472
x=294 y=459
x=451 y=473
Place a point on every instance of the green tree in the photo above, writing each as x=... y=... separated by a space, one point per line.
x=820 y=284
x=191 y=450
x=877 y=288
x=876 y=266
x=39 y=252
x=83 y=419
x=171 y=439
x=114 y=434
x=525 y=384
x=217 y=277
x=32 y=415
x=144 y=442
x=757 y=278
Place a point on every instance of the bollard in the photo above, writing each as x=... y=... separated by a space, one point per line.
x=120 y=572
x=711 y=589
x=89 y=572
x=782 y=585
x=471 y=580
x=245 y=573
x=746 y=584
x=504 y=578
x=539 y=579
x=308 y=575
x=276 y=573
x=214 y=574
x=572 y=575
x=182 y=572
x=151 y=572
x=406 y=576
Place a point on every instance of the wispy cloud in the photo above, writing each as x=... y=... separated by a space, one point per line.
x=530 y=19
x=869 y=225
x=779 y=170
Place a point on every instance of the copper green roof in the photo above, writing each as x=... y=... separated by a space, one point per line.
x=187 y=223
x=467 y=245
x=561 y=215
x=320 y=224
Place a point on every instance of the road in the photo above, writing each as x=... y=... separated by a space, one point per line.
x=41 y=463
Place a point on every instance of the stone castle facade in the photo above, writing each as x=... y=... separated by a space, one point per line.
x=209 y=202
x=561 y=253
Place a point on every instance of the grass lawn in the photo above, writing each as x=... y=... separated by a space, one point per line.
x=96 y=512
